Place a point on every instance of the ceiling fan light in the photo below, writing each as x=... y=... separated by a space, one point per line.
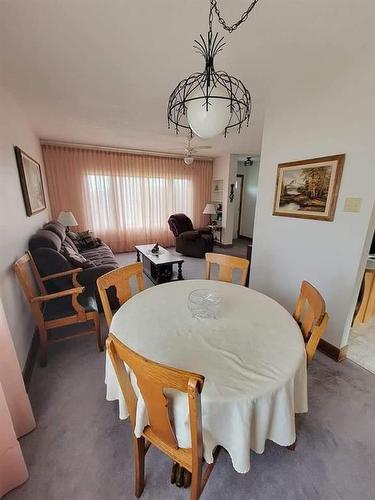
x=188 y=160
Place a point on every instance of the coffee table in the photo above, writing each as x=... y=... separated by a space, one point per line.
x=159 y=267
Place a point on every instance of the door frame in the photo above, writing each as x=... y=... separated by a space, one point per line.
x=242 y=178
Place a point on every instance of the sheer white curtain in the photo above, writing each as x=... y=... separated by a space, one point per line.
x=126 y=199
x=133 y=203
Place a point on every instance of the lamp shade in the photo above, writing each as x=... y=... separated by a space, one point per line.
x=67 y=219
x=209 y=209
x=209 y=120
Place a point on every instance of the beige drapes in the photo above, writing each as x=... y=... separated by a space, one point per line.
x=124 y=198
x=16 y=418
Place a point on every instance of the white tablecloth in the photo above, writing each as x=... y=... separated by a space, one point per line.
x=252 y=357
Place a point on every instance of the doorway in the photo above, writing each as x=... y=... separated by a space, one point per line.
x=245 y=178
x=361 y=348
x=238 y=199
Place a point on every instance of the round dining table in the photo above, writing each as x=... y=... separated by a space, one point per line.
x=252 y=356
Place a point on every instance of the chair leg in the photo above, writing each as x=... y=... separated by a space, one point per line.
x=43 y=345
x=196 y=483
x=99 y=341
x=139 y=455
x=292 y=446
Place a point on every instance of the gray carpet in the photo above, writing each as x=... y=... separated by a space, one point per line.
x=82 y=451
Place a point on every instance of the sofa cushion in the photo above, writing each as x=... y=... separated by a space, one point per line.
x=57 y=228
x=75 y=258
x=88 y=240
x=45 y=239
x=85 y=240
x=74 y=237
x=48 y=261
x=58 y=308
x=71 y=243
x=190 y=235
x=102 y=255
x=204 y=230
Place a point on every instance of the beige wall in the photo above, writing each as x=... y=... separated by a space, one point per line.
x=328 y=111
x=16 y=227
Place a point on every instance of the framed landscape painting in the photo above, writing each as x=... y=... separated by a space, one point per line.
x=309 y=188
x=31 y=182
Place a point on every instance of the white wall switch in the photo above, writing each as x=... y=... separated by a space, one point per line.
x=352 y=204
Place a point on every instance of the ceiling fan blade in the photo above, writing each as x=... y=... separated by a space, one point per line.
x=202 y=147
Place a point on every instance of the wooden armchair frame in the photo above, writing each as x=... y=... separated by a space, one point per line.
x=152 y=379
x=37 y=302
x=227 y=264
x=119 y=279
x=310 y=314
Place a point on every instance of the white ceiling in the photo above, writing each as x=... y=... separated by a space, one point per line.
x=101 y=71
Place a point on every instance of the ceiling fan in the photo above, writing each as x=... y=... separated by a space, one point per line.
x=189 y=150
x=248 y=162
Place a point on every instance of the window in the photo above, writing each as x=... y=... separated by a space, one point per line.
x=136 y=203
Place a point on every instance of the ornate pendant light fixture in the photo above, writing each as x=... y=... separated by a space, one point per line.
x=211 y=102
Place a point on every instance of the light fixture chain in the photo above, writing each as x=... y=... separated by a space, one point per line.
x=234 y=26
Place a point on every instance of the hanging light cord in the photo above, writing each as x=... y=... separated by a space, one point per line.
x=245 y=15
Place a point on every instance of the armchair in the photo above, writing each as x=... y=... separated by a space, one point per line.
x=189 y=241
x=54 y=310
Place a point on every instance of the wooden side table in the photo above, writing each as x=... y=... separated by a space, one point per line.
x=217 y=228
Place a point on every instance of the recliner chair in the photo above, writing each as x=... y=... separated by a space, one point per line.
x=189 y=241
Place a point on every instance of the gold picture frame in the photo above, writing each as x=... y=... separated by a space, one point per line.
x=308 y=189
x=31 y=182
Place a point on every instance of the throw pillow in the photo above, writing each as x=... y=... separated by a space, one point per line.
x=85 y=240
x=75 y=239
x=70 y=243
x=75 y=258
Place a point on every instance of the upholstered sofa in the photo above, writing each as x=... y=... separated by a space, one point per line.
x=189 y=241
x=46 y=247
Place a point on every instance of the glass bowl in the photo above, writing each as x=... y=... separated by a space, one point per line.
x=204 y=303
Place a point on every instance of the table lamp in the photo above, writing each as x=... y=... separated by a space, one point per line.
x=210 y=210
x=67 y=219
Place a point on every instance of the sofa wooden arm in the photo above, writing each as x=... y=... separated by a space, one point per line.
x=63 y=274
x=57 y=295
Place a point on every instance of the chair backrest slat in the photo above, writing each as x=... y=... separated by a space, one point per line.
x=120 y=280
x=36 y=275
x=152 y=380
x=24 y=272
x=310 y=314
x=227 y=264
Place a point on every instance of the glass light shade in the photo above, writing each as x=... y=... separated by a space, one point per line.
x=212 y=122
x=188 y=160
x=209 y=209
x=67 y=219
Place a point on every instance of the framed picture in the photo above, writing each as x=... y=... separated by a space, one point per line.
x=308 y=188
x=31 y=182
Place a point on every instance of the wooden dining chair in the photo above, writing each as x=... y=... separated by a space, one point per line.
x=310 y=314
x=227 y=264
x=119 y=279
x=55 y=310
x=152 y=379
